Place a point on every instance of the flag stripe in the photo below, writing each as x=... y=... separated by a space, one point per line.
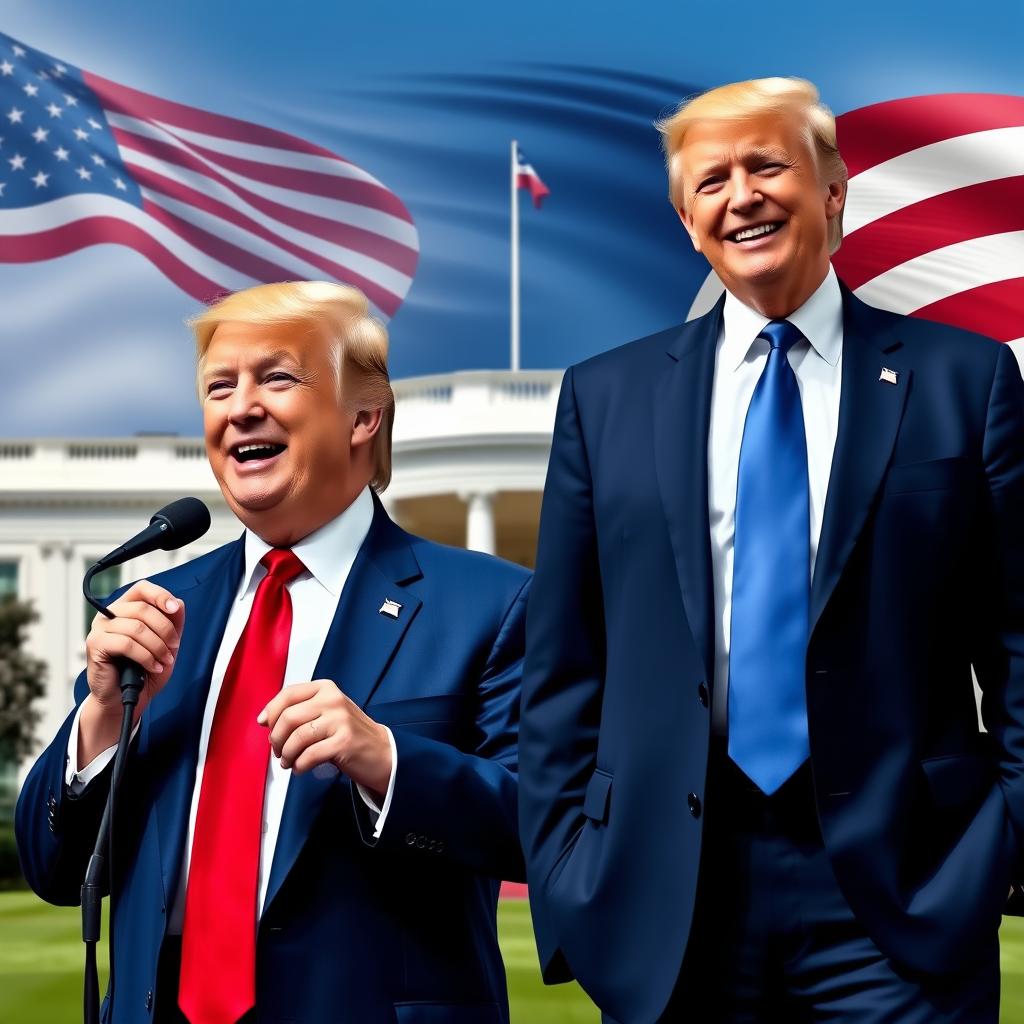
x=215 y=199
x=872 y=135
x=358 y=239
x=267 y=154
x=124 y=100
x=933 y=170
x=249 y=254
x=992 y=309
x=943 y=272
x=987 y=208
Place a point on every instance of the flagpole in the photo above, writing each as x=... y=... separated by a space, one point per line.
x=514 y=296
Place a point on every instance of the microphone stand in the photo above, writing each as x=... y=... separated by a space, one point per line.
x=132 y=679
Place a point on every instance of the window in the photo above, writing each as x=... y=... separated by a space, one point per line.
x=103 y=583
x=8 y=579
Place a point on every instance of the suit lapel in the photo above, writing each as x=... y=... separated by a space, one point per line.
x=359 y=646
x=870 y=411
x=682 y=411
x=175 y=717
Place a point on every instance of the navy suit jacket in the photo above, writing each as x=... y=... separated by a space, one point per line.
x=355 y=930
x=919 y=575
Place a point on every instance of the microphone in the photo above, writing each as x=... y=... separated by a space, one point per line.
x=174 y=526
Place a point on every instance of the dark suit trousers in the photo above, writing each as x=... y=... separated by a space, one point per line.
x=774 y=939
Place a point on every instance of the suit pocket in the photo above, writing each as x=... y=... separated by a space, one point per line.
x=444 y=707
x=598 y=796
x=447 y=1013
x=934 y=475
x=958 y=780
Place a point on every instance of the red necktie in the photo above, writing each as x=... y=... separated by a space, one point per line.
x=218 y=945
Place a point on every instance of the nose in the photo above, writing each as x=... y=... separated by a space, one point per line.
x=743 y=195
x=244 y=404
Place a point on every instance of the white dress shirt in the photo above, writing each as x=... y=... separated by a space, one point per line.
x=328 y=555
x=740 y=359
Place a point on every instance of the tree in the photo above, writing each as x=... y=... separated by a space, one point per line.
x=22 y=680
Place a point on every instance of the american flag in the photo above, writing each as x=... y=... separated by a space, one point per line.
x=216 y=203
x=528 y=178
x=934 y=220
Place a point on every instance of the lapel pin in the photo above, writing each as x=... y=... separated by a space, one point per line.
x=889 y=376
x=391 y=608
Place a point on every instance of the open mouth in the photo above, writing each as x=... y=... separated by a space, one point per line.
x=256 y=451
x=754 y=233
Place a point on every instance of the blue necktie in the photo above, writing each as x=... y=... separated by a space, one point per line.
x=771 y=577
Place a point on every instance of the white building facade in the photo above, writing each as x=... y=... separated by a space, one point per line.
x=470 y=456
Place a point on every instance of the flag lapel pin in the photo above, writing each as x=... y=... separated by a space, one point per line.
x=889 y=376
x=391 y=608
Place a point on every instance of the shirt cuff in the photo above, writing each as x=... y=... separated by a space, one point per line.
x=379 y=814
x=76 y=780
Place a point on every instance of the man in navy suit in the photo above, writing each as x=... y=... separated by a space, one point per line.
x=774 y=542
x=329 y=849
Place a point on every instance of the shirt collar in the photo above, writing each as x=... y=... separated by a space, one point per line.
x=819 y=320
x=328 y=553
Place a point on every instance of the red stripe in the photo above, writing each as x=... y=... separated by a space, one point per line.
x=315 y=183
x=369 y=243
x=142 y=105
x=991 y=207
x=80 y=234
x=995 y=309
x=200 y=200
x=255 y=266
x=874 y=134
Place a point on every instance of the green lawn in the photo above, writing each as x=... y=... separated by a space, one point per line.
x=41 y=966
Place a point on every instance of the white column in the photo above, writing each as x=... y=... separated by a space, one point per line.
x=480 y=522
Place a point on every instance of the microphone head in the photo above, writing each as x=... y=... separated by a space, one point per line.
x=181 y=522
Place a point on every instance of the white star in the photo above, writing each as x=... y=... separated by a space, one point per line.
x=84 y=174
x=98 y=160
x=30 y=89
x=7 y=68
x=93 y=123
x=60 y=153
x=40 y=134
x=71 y=101
x=58 y=70
x=42 y=74
x=18 y=51
x=53 y=110
x=119 y=183
x=14 y=115
x=17 y=162
x=3 y=185
x=61 y=68
x=41 y=179
x=81 y=135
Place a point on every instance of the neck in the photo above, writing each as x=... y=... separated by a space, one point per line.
x=283 y=528
x=777 y=300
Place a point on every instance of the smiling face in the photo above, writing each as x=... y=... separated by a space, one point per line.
x=755 y=206
x=287 y=454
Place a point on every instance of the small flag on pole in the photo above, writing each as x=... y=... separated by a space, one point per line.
x=528 y=178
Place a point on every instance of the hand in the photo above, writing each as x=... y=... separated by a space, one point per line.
x=315 y=723
x=146 y=628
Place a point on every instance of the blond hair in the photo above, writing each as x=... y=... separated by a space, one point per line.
x=740 y=101
x=359 y=345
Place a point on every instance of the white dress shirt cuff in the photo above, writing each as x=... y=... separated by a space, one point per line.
x=379 y=814
x=76 y=780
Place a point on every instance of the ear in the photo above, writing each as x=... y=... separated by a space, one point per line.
x=687 y=222
x=835 y=199
x=365 y=426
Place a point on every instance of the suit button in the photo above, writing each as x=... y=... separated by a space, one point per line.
x=702 y=695
x=149 y=1000
x=440 y=846
x=421 y=842
x=693 y=802
x=410 y=839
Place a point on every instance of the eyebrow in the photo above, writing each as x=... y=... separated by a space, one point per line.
x=270 y=359
x=754 y=153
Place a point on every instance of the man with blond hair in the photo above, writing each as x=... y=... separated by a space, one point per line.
x=774 y=543
x=322 y=796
